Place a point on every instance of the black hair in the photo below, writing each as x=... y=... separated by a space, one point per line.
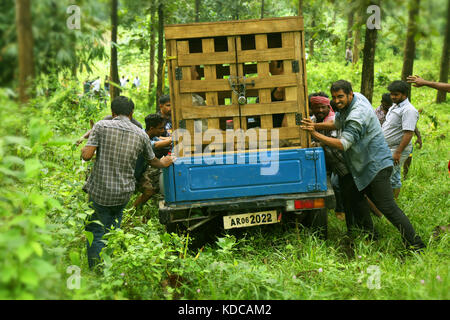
x=152 y=121
x=164 y=99
x=386 y=97
x=341 y=85
x=317 y=94
x=122 y=106
x=399 y=86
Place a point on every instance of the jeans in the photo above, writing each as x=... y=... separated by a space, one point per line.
x=396 y=181
x=109 y=217
x=380 y=192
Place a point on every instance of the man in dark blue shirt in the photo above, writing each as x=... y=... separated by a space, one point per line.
x=148 y=182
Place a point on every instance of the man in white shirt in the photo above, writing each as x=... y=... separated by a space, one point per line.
x=348 y=56
x=96 y=86
x=123 y=82
x=136 y=82
x=398 y=129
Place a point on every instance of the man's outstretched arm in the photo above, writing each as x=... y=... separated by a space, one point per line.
x=419 y=82
x=88 y=152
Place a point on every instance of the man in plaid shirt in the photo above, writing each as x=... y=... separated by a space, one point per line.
x=118 y=143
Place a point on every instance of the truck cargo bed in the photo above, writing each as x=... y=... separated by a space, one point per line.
x=245 y=174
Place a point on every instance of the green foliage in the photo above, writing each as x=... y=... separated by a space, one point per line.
x=56 y=47
x=27 y=268
x=137 y=261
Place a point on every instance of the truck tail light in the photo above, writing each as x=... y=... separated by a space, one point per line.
x=305 y=204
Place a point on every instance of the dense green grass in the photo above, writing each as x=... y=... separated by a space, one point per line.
x=288 y=263
x=141 y=261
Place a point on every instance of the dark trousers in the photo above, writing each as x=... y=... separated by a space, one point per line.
x=337 y=193
x=381 y=194
x=109 y=217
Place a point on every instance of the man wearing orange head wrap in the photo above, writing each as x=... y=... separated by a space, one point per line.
x=320 y=107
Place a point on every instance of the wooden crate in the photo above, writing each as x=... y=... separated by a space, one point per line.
x=206 y=59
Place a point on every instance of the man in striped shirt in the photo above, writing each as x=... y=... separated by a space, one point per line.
x=117 y=143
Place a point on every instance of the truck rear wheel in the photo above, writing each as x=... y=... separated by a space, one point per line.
x=317 y=220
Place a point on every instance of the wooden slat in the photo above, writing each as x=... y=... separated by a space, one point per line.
x=229 y=57
x=290 y=92
x=210 y=74
x=171 y=48
x=265 y=54
x=267 y=82
x=269 y=108
x=234 y=69
x=185 y=98
x=233 y=28
x=284 y=133
x=206 y=112
x=239 y=72
x=302 y=89
x=206 y=58
x=263 y=71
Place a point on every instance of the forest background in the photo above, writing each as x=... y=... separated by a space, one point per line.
x=45 y=56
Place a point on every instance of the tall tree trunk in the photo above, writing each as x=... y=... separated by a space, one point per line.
x=357 y=36
x=236 y=10
x=151 y=27
x=367 y=77
x=25 y=46
x=312 y=40
x=159 y=84
x=349 y=35
x=410 y=44
x=197 y=10
x=262 y=9
x=300 y=7
x=443 y=77
x=113 y=70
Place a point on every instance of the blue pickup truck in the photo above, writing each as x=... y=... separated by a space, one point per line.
x=250 y=75
x=241 y=195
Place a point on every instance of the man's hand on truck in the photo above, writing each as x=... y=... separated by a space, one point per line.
x=164 y=162
x=311 y=127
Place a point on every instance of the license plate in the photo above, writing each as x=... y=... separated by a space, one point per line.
x=250 y=219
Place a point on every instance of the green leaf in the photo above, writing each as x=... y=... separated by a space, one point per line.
x=20 y=141
x=37 y=199
x=89 y=237
x=24 y=252
x=8 y=273
x=29 y=278
x=37 y=248
x=75 y=258
x=32 y=167
x=37 y=220
x=13 y=160
x=54 y=204
x=43 y=268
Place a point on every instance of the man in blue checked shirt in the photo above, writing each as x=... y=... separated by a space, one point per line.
x=369 y=160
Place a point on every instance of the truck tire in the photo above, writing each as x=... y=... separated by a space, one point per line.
x=205 y=234
x=317 y=221
x=174 y=228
